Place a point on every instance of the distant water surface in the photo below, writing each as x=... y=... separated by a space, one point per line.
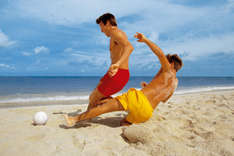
x=21 y=91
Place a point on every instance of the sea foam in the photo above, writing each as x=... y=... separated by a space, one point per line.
x=45 y=99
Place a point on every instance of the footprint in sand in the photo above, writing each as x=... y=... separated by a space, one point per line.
x=78 y=142
x=189 y=124
x=210 y=101
x=207 y=135
x=232 y=138
x=169 y=106
x=36 y=137
x=160 y=118
x=222 y=117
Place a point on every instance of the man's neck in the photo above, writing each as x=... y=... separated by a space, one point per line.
x=112 y=29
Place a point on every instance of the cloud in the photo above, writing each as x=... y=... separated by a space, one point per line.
x=199 y=47
x=4 y=40
x=41 y=49
x=176 y=26
x=73 y=12
x=26 y=53
x=152 y=15
x=6 y=66
x=36 y=51
x=230 y=6
x=189 y=48
x=88 y=58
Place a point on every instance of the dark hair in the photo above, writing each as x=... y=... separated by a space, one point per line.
x=176 y=59
x=107 y=17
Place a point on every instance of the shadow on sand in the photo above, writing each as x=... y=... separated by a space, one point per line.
x=108 y=121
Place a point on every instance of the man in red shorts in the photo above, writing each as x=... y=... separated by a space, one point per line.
x=120 y=49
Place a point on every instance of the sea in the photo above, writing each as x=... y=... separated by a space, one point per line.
x=59 y=90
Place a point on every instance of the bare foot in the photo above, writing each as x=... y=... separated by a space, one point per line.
x=70 y=120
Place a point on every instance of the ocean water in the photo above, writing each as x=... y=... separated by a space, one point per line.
x=30 y=91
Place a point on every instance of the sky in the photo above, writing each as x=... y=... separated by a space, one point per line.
x=61 y=37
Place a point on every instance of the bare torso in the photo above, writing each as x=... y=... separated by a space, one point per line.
x=161 y=87
x=116 y=51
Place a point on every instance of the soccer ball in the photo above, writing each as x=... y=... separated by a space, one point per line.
x=40 y=118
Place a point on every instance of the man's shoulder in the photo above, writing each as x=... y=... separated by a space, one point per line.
x=169 y=71
x=168 y=74
x=118 y=33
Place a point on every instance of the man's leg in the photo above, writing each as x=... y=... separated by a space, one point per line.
x=108 y=105
x=94 y=98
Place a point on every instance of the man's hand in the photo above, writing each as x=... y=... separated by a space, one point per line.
x=113 y=69
x=143 y=84
x=140 y=37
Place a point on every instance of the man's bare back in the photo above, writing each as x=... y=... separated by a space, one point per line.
x=161 y=87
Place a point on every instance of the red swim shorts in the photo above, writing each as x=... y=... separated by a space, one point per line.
x=112 y=85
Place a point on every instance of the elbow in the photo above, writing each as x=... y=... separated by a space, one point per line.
x=131 y=48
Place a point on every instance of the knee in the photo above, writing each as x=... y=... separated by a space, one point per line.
x=96 y=110
x=92 y=97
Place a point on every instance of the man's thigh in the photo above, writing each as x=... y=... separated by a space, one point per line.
x=110 y=105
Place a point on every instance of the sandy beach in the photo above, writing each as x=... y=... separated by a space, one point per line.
x=198 y=124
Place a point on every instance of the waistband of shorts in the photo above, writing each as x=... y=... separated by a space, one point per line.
x=121 y=69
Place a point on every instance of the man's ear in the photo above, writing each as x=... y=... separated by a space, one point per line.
x=107 y=23
x=172 y=64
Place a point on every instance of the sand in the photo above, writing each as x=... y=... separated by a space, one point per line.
x=200 y=124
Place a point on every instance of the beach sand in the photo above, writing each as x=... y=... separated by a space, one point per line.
x=198 y=124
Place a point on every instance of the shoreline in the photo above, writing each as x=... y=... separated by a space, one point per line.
x=83 y=102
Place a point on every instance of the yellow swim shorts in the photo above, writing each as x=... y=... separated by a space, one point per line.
x=138 y=106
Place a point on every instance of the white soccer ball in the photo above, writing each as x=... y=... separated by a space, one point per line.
x=40 y=118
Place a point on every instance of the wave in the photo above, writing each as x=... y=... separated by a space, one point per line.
x=202 y=89
x=86 y=97
x=45 y=99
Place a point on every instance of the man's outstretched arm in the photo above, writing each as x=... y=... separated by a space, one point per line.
x=157 y=51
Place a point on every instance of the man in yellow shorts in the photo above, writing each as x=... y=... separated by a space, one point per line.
x=140 y=104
